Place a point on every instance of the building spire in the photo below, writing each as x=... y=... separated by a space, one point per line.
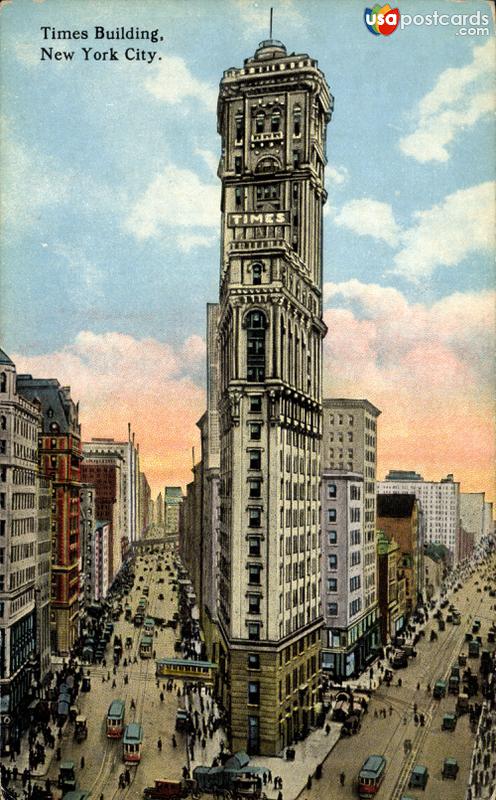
x=271 y=17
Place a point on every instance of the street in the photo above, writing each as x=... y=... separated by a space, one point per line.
x=386 y=735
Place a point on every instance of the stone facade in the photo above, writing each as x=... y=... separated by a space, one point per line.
x=398 y=517
x=59 y=455
x=20 y=422
x=439 y=500
x=272 y=117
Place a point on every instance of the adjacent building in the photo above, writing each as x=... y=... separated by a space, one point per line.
x=59 y=456
x=399 y=518
x=127 y=492
x=351 y=635
x=473 y=514
x=46 y=529
x=104 y=471
x=391 y=588
x=20 y=422
x=440 y=504
x=272 y=117
x=87 y=526
x=145 y=499
x=173 y=497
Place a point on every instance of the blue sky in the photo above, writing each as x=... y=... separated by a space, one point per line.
x=111 y=216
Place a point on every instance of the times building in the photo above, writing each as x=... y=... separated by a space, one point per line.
x=272 y=117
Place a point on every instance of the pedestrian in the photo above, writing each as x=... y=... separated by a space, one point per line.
x=327 y=729
x=342 y=778
x=174 y=741
x=161 y=697
x=390 y=710
x=159 y=745
x=418 y=687
x=81 y=764
x=114 y=684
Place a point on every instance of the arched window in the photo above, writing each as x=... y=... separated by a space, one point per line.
x=256 y=273
x=268 y=164
x=3 y=382
x=275 y=121
x=260 y=122
x=255 y=323
x=3 y=422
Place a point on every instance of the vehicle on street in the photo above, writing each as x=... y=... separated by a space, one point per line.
x=449 y=722
x=115 y=719
x=473 y=649
x=439 y=690
x=170 y=790
x=146 y=647
x=418 y=777
x=67 y=777
x=398 y=659
x=454 y=684
x=183 y=720
x=450 y=769
x=80 y=729
x=462 y=704
x=132 y=742
x=371 y=776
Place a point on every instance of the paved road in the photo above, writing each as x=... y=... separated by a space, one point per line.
x=103 y=756
x=430 y=745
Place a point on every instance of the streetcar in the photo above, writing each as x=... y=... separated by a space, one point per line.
x=149 y=626
x=146 y=646
x=371 y=776
x=185 y=669
x=133 y=739
x=115 y=719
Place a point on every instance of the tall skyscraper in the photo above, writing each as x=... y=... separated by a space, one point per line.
x=272 y=117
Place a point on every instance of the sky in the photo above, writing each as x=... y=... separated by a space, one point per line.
x=110 y=216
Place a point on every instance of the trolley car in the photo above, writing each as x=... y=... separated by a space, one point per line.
x=115 y=719
x=186 y=669
x=133 y=739
x=371 y=776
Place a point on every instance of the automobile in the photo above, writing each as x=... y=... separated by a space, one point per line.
x=67 y=777
x=351 y=725
x=454 y=684
x=80 y=729
x=450 y=769
x=418 y=777
x=462 y=703
x=398 y=659
x=166 y=789
x=439 y=689
x=183 y=720
x=449 y=722
x=473 y=649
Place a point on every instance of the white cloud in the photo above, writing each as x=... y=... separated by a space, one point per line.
x=336 y=176
x=87 y=276
x=210 y=159
x=190 y=241
x=448 y=232
x=30 y=182
x=461 y=96
x=369 y=217
x=175 y=198
x=172 y=82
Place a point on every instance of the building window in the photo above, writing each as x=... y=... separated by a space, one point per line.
x=254 y=517
x=297 y=121
x=256 y=273
x=332 y=609
x=355 y=492
x=355 y=583
x=333 y=537
x=254 y=571
x=255 y=430
x=237 y=165
x=350 y=419
x=332 y=584
x=238 y=195
x=3 y=446
x=333 y=561
x=254 y=545
x=260 y=122
x=3 y=382
x=355 y=558
x=254 y=604
x=253 y=661
x=255 y=403
x=253 y=693
x=3 y=422
x=254 y=631
x=331 y=490
x=296 y=159
x=239 y=127
x=354 y=515
x=253 y=735
x=275 y=121
x=255 y=323
x=255 y=459
x=255 y=486
x=331 y=515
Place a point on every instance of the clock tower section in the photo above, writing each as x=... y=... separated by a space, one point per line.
x=272 y=117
